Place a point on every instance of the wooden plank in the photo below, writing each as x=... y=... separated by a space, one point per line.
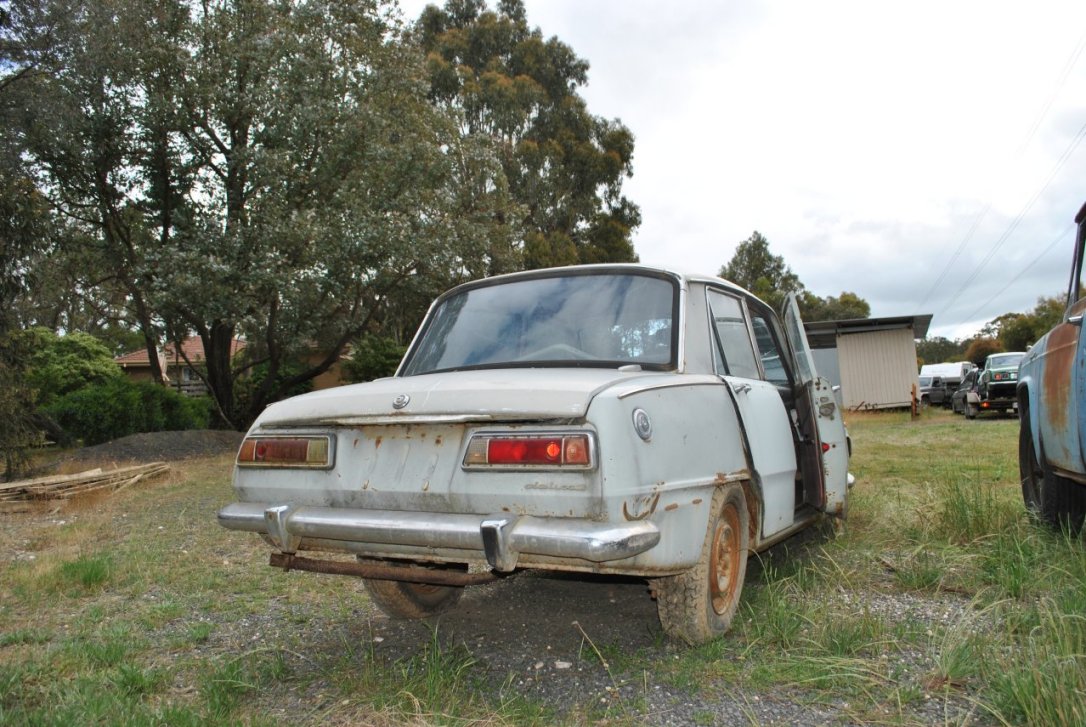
x=68 y=486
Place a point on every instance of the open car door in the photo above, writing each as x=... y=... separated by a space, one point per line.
x=832 y=440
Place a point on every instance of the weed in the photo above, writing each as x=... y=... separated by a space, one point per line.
x=1044 y=684
x=132 y=681
x=88 y=572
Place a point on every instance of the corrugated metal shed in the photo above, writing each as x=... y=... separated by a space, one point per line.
x=875 y=358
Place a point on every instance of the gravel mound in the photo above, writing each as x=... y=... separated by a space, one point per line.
x=160 y=446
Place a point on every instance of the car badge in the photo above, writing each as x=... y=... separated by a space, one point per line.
x=401 y=401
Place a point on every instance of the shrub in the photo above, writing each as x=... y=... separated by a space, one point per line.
x=103 y=412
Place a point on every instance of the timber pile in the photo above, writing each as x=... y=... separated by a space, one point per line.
x=17 y=496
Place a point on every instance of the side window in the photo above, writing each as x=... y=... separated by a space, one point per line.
x=770 y=352
x=735 y=352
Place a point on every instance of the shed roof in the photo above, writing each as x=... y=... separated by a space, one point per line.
x=823 y=334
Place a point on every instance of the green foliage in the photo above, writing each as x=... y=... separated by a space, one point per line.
x=981 y=348
x=761 y=272
x=766 y=275
x=286 y=381
x=1017 y=331
x=104 y=412
x=17 y=426
x=274 y=170
x=60 y=365
x=373 y=357
x=843 y=307
x=939 y=350
x=564 y=166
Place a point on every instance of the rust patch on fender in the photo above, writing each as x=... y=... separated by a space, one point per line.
x=737 y=476
x=672 y=506
x=377 y=443
x=1056 y=376
x=697 y=501
x=649 y=503
x=437 y=440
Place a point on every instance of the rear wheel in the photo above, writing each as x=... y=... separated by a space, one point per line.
x=1029 y=469
x=1056 y=500
x=400 y=599
x=699 y=605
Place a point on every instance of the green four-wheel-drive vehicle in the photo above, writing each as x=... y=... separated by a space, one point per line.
x=995 y=385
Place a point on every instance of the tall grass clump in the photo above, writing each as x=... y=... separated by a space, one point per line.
x=1043 y=682
x=967 y=506
x=89 y=572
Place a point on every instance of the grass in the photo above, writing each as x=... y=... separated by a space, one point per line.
x=940 y=601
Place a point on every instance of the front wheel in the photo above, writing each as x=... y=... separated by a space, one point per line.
x=400 y=599
x=699 y=605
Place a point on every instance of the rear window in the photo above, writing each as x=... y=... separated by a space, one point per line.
x=601 y=320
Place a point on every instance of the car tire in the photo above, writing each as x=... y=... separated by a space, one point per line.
x=400 y=599
x=1029 y=469
x=699 y=605
x=1057 y=501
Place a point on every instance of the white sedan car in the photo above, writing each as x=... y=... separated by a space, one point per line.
x=614 y=419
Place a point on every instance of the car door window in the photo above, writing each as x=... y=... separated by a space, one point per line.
x=734 y=350
x=769 y=350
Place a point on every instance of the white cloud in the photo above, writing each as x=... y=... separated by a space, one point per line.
x=862 y=139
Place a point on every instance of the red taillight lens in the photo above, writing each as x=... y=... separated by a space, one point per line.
x=313 y=452
x=528 y=450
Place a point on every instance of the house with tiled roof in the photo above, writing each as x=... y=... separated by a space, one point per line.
x=180 y=375
x=175 y=364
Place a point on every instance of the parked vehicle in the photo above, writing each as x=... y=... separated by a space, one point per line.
x=613 y=419
x=1051 y=391
x=968 y=384
x=995 y=387
x=939 y=381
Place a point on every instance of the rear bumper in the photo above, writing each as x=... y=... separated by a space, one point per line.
x=502 y=538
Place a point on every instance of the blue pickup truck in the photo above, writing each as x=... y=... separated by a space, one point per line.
x=1052 y=401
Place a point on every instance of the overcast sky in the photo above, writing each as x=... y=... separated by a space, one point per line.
x=879 y=147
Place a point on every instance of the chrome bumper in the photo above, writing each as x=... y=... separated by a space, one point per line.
x=501 y=537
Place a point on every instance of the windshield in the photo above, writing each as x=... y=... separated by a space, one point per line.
x=925 y=381
x=605 y=320
x=1005 y=360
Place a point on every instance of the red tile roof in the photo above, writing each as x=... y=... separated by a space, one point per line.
x=192 y=347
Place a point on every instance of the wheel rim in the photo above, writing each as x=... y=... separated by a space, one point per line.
x=724 y=564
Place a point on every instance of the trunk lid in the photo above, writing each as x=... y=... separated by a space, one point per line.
x=484 y=395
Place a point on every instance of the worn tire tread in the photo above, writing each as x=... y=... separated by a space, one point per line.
x=399 y=599
x=683 y=600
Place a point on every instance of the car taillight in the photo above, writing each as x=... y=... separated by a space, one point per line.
x=530 y=450
x=308 y=452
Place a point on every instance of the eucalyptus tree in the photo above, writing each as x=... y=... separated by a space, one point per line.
x=272 y=170
x=768 y=276
x=564 y=165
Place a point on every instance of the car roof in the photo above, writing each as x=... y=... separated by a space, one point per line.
x=684 y=278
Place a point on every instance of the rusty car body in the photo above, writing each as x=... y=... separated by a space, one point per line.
x=1051 y=392
x=613 y=419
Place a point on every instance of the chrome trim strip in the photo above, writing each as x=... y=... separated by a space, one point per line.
x=502 y=537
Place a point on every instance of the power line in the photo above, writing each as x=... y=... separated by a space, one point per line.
x=1072 y=60
x=1021 y=272
x=1018 y=219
